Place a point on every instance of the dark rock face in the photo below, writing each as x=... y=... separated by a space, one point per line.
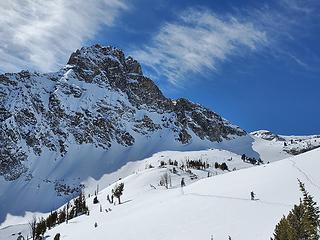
x=99 y=98
x=203 y=122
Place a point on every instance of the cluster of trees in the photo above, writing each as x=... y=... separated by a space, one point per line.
x=79 y=207
x=253 y=161
x=197 y=164
x=170 y=162
x=117 y=191
x=302 y=222
x=148 y=166
x=223 y=166
x=38 y=228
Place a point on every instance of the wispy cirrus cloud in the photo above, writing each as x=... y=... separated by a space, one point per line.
x=199 y=40
x=40 y=34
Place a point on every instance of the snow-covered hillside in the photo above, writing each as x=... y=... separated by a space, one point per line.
x=84 y=165
x=293 y=145
x=89 y=169
x=218 y=205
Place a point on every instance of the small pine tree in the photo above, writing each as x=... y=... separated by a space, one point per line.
x=311 y=220
x=51 y=220
x=41 y=227
x=57 y=236
x=95 y=200
x=303 y=221
x=216 y=165
x=62 y=215
x=224 y=166
x=118 y=191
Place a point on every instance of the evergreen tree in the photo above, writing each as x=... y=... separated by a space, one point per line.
x=295 y=218
x=302 y=222
x=57 y=236
x=311 y=220
x=216 y=165
x=62 y=216
x=224 y=166
x=95 y=200
x=41 y=227
x=281 y=230
x=117 y=191
x=52 y=220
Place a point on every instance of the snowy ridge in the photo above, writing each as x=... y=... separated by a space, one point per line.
x=293 y=145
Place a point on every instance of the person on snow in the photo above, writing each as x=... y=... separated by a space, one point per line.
x=182 y=182
x=252 y=195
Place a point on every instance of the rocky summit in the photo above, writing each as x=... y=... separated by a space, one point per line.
x=100 y=98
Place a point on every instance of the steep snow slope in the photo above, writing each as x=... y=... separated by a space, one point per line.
x=268 y=150
x=218 y=205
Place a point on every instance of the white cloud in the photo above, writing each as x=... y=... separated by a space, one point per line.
x=40 y=34
x=199 y=40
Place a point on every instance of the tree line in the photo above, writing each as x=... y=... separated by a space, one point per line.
x=39 y=227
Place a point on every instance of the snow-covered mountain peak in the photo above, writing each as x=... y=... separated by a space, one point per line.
x=102 y=99
x=97 y=56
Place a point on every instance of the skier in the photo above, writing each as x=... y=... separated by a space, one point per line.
x=182 y=182
x=252 y=195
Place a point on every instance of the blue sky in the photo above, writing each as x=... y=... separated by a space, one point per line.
x=257 y=63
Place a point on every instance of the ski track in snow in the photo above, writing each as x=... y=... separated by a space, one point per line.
x=239 y=199
x=294 y=164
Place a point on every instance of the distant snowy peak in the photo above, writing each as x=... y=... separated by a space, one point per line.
x=267 y=135
x=100 y=98
x=293 y=145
